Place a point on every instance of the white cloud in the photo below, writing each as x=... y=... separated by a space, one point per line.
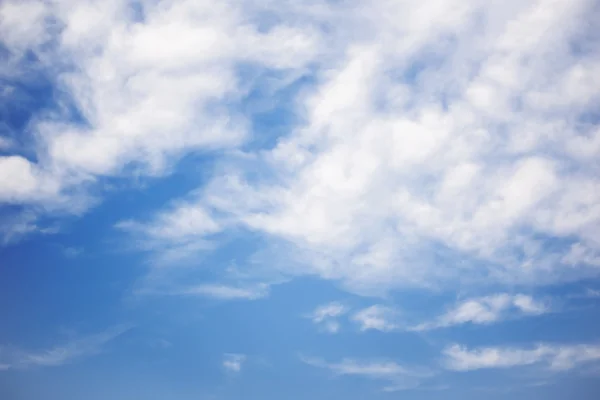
x=326 y=316
x=21 y=181
x=395 y=180
x=14 y=227
x=233 y=362
x=398 y=377
x=436 y=141
x=487 y=310
x=148 y=86
x=376 y=317
x=555 y=357
x=11 y=358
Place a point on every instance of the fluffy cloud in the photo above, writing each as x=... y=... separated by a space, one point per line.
x=487 y=310
x=555 y=357
x=149 y=82
x=399 y=377
x=12 y=358
x=434 y=149
x=435 y=142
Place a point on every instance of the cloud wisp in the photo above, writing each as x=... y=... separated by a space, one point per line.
x=378 y=318
x=554 y=357
x=233 y=362
x=484 y=310
x=487 y=310
x=326 y=316
x=225 y=292
x=397 y=376
x=11 y=358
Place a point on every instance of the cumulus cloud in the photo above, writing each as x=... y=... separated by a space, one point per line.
x=487 y=310
x=326 y=316
x=14 y=358
x=555 y=357
x=148 y=84
x=233 y=362
x=432 y=149
x=434 y=142
x=376 y=317
x=398 y=376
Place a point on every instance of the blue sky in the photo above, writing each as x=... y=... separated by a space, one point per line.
x=300 y=200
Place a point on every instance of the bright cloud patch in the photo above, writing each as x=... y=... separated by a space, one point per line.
x=233 y=362
x=555 y=357
x=487 y=310
x=450 y=151
x=376 y=317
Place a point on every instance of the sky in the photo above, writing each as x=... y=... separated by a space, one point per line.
x=319 y=199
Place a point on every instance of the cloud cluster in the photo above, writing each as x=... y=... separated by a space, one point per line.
x=434 y=144
x=440 y=142
x=136 y=86
x=435 y=141
x=485 y=310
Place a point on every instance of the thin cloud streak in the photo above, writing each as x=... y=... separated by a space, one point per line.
x=11 y=358
x=398 y=376
x=554 y=357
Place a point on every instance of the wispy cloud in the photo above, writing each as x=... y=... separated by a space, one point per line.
x=377 y=317
x=72 y=252
x=398 y=376
x=588 y=293
x=555 y=357
x=233 y=362
x=225 y=292
x=326 y=316
x=12 y=358
x=487 y=310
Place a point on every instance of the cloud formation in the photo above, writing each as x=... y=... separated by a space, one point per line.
x=137 y=86
x=554 y=357
x=487 y=310
x=437 y=144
